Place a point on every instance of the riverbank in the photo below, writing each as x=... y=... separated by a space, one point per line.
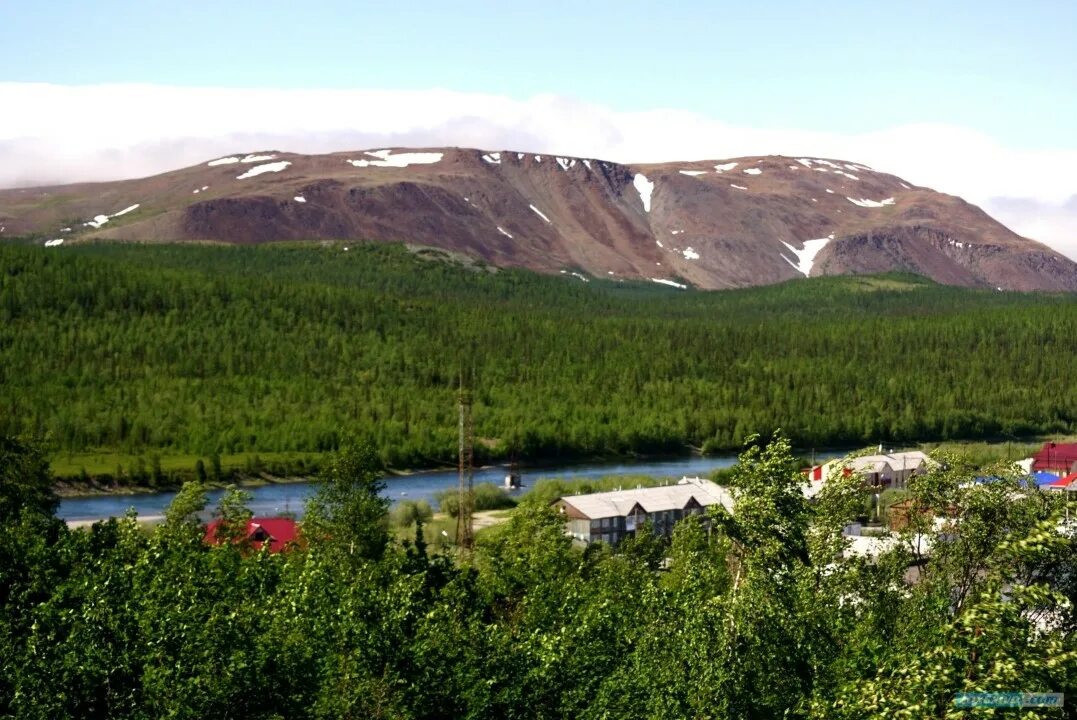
x=75 y=476
x=74 y=488
x=87 y=475
x=291 y=498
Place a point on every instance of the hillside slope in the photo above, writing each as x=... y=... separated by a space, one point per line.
x=714 y=224
x=188 y=348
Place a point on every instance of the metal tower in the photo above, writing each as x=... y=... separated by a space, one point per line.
x=465 y=530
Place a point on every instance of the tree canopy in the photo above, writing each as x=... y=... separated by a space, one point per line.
x=755 y=615
x=203 y=350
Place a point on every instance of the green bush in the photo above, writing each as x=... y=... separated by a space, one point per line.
x=408 y=512
x=487 y=497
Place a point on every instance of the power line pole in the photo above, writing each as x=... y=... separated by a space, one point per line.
x=465 y=529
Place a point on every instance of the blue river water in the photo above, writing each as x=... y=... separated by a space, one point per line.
x=270 y=500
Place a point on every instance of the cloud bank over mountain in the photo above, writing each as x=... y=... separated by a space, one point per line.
x=58 y=134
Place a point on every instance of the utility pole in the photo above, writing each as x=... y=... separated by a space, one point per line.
x=465 y=529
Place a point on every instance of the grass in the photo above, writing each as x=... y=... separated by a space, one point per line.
x=982 y=454
x=443 y=523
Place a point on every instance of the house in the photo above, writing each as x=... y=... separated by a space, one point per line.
x=278 y=532
x=889 y=470
x=1057 y=458
x=1067 y=483
x=611 y=516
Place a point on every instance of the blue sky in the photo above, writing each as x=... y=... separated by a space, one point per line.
x=1007 y=69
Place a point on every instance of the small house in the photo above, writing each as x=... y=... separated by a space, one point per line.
x=889 y=470
x=279 y=533
x=1057 y=458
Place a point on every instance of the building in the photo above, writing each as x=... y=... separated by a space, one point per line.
x=1057 y=458
x=890 y=470
x=1067 y=483
x=611 y=516
x=279 y=533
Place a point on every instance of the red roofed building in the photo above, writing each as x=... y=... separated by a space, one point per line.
x=278 y=532
x=1069 y=483
x=1058 y=458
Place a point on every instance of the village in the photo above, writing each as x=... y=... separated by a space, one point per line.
x=611 y=517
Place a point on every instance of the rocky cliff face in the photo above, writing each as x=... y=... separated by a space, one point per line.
x=714 y=224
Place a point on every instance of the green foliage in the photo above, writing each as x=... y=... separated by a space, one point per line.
x=487 y=496
x=752 y=615
x=348 y=511
x=25 y=482
x=411 y=512
x=202 y=350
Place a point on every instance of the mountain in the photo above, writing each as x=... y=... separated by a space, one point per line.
x=714 y=224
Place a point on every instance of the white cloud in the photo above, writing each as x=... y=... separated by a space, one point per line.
x=77 y=133
x=1052 y=223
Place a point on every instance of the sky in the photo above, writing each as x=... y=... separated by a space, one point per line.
x=977 y=99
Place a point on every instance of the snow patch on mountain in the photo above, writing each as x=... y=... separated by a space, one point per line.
x=671 y=283
x=386 y=158
x=644 y=187
x=866 y=203
x=261 y=169
x=541 y=214
x=806 y=255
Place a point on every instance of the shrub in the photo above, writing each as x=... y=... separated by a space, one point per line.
x=406 y=513
x=487 y=497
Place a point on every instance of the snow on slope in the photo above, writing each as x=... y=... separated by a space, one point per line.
x=864 y=202
x=260 y=169
x=385 y=158
x=806 y=256
x=644 y=187
x=541 y=214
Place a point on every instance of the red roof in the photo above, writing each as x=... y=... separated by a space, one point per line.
x=278 y=532
x=1062 y=482
x=1055 y=456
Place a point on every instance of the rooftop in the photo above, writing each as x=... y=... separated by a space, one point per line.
x=618 y=503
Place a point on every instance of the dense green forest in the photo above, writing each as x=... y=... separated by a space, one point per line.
x=207 y=349
x=758 y=614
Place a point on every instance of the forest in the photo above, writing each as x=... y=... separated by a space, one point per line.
x=756 y=614
x=203 y=350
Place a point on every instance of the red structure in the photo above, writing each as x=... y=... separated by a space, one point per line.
x=280 y=533
x=1069 y=482
x=1055 y=457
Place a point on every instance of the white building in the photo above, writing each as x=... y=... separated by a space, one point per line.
x=611 y=516
x=883 y=470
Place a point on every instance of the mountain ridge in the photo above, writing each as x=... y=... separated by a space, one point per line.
x=712 y=223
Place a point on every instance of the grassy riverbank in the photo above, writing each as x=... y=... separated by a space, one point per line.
x=110 y=473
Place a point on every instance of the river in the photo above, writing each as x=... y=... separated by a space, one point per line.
x=291 y=497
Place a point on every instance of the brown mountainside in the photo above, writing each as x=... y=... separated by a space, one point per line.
x=714 y=224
